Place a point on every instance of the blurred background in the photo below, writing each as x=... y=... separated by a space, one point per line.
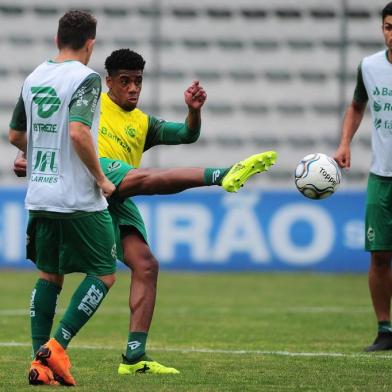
x=278 y=75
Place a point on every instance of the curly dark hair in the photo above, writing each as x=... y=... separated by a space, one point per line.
x=75 y=28
x=387 y=11
x=124 y=59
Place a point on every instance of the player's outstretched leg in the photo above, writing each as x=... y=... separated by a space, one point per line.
x=39 y=374
x=144 y=365
x=53 y=355
x=243 y=170
x=143 y=181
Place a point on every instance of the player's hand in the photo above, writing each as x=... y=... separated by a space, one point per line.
x=343 y=156
x=195 y=96
x=20 y=166
x=107 y=187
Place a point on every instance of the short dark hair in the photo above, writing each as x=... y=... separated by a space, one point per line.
x=75 y=28
x=387 y=10
x=124 y=59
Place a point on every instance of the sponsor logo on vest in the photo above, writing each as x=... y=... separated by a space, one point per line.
x=130 y=131
x=388 y=124
x=377 y=106
x=134 y=344
x=105 y=132
x=45 y=167
x=46 y=128
x=95 y=92
x=377 y=123
x=47 y=100
x=383 y=91
x=371 y=235
x=91 y=300
x=45 y=162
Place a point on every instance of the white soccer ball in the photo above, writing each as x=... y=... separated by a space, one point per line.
x=317 y=176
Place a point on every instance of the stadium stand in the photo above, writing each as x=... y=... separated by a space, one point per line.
x=272 y=71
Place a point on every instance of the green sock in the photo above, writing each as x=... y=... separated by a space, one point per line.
x=84 y=302
x=214 y=176
x=136 y=346
x=384 y=326
x=42 y=309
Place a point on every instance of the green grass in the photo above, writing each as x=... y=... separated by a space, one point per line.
x=224 y=332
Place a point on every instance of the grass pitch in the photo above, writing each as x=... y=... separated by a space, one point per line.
x=224 y=332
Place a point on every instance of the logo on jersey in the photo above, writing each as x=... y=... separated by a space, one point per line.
x=377 y=123
x=130 y=131
x=114 y=251
x=384 y=91
x=47 y=101
x=115 y=165
x=377 y=106
x=45 y=162
x=371 y=235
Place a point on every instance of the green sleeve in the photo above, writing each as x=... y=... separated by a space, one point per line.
x=18 y=120
x=165 y=132
x=84 y=100
x=360 y=93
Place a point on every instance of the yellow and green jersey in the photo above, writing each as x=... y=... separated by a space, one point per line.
x=126 y=135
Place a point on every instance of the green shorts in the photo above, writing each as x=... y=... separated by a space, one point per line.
x=78 y=242
x=378 y=221
x=123 y=212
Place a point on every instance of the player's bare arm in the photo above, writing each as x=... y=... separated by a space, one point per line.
x=18 y=139
x=84 y=146
x=351 y=122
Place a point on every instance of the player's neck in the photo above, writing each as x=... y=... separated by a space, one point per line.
x=69 y=55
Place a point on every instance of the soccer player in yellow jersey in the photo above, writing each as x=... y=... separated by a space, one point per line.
x=125 y=132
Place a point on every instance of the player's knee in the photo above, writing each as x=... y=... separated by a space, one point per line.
x=53 y=278
x=381 y=262
x=146 y=268
x=108 y=280
x=150 y=268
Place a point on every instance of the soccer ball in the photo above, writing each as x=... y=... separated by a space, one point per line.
x=317 y=176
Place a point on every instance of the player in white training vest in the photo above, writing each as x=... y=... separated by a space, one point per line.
x=374 y=84
x=58 y=179
x=70 y=230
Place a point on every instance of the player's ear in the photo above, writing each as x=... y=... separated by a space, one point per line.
x=90 y=45
x=109 y=81
x=56 y=41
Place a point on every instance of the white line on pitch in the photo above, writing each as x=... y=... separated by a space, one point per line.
x=191 y=350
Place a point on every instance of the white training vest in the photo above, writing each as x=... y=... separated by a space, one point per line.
x=377 y=77
x=58 y=180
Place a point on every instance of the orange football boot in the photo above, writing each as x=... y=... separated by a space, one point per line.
x=53 y=355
